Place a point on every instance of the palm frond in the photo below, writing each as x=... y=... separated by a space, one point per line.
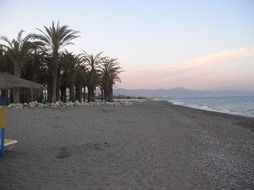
x=4 y=38
x=19 y=38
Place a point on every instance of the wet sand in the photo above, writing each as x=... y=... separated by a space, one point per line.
x=150 y=145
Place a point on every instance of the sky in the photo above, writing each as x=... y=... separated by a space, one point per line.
x=194 y=44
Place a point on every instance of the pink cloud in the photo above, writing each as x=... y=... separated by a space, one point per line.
x=216 y=58
x=181 y=73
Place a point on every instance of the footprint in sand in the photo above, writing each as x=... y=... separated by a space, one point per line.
x=63 y=153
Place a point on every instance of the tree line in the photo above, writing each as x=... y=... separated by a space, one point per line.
x=40 y=58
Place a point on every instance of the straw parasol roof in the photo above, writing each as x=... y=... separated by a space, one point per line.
x=8 y=80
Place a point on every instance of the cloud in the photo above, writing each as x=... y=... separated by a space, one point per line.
x=215 y=58
x=183 y=73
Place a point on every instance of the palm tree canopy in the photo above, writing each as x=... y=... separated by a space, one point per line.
x=91 y=60
x=17 y=49
x=110 y=70
x=70 y=62
x=69 y=67
x=56 y=36
x=82 y=74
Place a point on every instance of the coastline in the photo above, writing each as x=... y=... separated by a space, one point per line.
x=248 y=120
x=214 y=108
x=148 y=145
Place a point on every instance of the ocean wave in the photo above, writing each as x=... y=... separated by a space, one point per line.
x=249 y=112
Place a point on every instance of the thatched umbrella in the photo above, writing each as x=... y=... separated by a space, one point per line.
x=8 y=81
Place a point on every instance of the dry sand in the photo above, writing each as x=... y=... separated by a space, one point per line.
x=151 y=145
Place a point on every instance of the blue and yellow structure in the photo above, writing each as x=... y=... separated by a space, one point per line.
x=3 y=125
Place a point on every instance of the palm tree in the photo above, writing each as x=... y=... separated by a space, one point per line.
x=93 y=76
x=81 y=81
x=5 y=66
x=70 y=63
x=54 y=38
x=34 y=65
x=47 y=74
x=18 y=50
x=5 y=62
x=109 y=71
x=34 y=70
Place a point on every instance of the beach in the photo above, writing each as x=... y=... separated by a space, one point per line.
x=153 y=145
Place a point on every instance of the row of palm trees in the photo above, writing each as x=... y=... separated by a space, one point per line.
x=41 y=58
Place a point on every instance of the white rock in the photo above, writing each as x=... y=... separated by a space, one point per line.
x=60 y=103
x=15 y=106
x=54 y=105
x=10 y=106
x=33 y=104
x=127 y=103
x=117 y=103
x=91 y=103
x=69 y=104
x=84 y=104
x=98 y=103
x=77 y=103
x=40 y=105
x=19 y=106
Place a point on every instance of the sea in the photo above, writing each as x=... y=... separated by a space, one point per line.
x=243 y=105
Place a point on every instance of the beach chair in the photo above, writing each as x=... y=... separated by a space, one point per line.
x=9 y=143
x=5 y=143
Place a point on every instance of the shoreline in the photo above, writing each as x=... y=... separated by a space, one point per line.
x=249 y=121
x=214 y=111
x=209 y=108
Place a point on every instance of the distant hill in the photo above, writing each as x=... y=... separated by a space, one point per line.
x=181 y=92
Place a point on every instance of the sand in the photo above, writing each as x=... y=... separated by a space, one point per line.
x=152 y=145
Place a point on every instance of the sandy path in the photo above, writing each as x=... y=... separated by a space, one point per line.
x=152 y=145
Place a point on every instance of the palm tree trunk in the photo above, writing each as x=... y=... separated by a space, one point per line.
x=16 y=91
x=110 y=98
x=34 y=94
x=79 y=92
x=54 y=77
x=4 y=94
x=16 y=95
x=39 y=96
x=107 y=91
x=84 y=94
x=54 y=87
x=102 y=94
x=72 y=93
x=49 y=92
x=57 y=92
x=91 y=94
x=63 y=94
x=11 y=96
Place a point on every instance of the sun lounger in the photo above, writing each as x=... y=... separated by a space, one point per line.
x=9 y=143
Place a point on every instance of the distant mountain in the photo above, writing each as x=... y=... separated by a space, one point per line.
x=181 y=92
